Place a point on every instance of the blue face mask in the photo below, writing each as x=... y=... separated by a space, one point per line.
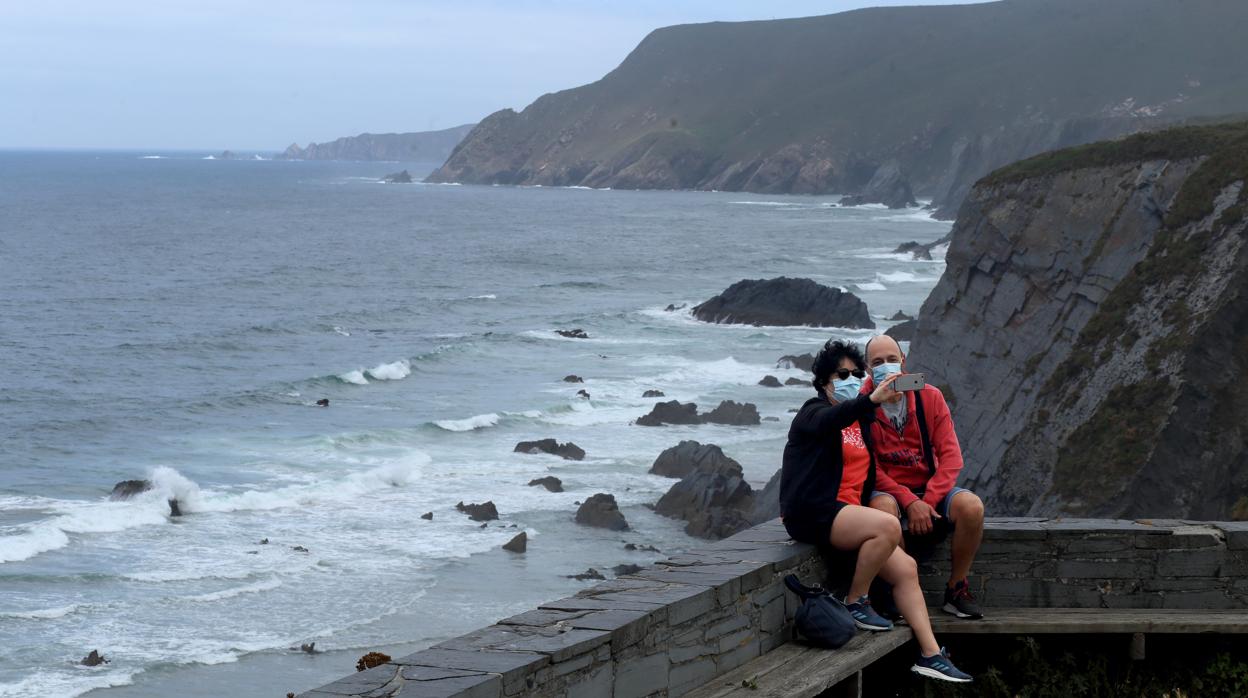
x=847 y=389
x=883 y=371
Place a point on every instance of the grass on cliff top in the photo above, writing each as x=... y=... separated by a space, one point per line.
x=1169 y=144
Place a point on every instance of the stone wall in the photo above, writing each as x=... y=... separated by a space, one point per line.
x=680 y=623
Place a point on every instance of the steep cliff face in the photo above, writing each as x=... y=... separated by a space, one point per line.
x=818 y=105
x=1091 y=329
x=423 y=146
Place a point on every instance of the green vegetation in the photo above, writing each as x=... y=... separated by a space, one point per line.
x=1239 y=512
x=1105 y=450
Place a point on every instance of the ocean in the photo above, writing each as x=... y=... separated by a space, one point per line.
x=176 y=318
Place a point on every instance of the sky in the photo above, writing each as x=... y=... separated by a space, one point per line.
x=261 y=74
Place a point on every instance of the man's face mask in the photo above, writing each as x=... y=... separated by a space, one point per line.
x=883 y=371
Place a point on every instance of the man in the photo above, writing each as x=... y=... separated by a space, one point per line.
x=918 y=460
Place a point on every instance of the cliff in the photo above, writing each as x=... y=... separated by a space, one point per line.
x=1091 y=329
x=944 y=94
x=422 y=146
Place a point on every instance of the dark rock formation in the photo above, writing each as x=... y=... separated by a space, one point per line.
x=479 y=512
x=403 y=177
x=582 y=393
x=424 y=146
x=715 y=500
x=577 y=333
x=601 y=511
x=427 y=516
x=550 y=482
x=887 y=186
x=93 y=659
x=621 y=570
x=174 y=508
x=770 y=381
x=371 y=660
x=670 y=412
x=1092 y=322
x=567 y=451
x=836 y=98
x=785 y=301
x=323 y=402
x=767 y=502
x=921 y=250
x=672 y=307
x=299 y=549
x=653 y=393
x=587 y=575
x=226 y=155
x=733 y=414
x=683 y=458
x=900 y=316
x=804 y=362
x=642 y=548
x=518 y=544
x=128 y=488
x=796 y=381
x=573 y=379
x=903 y=331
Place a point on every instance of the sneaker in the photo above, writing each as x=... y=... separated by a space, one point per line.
x=866 y=618
x=939 y=667
x=960 y=602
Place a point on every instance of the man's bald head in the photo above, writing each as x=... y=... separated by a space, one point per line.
x=882 y=349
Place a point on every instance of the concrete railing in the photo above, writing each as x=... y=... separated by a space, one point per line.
x=679 y=624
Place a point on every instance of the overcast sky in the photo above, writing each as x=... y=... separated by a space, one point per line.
x=259 y=74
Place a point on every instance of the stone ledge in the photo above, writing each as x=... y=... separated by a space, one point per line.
x=695 y=616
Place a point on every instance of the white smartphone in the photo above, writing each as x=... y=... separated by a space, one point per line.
x=909 y=381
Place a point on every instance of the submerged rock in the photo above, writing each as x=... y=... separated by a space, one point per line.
x=785 y=301
x=403 y=177
x=796 y=381
x=567 y=451
x=128 y=488
x=578 y=333
x=479 y=512
x=93 y=659
x=601 y=511
x=589 y=574
x=627 y=568
x=573 y=379
x=550 y=482
x=770 y=381
x=583 y=394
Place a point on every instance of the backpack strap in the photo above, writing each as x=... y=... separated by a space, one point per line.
x=923 y=435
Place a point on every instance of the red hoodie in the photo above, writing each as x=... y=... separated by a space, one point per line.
x=900 y=469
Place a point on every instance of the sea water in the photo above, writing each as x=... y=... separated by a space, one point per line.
x=177 y=318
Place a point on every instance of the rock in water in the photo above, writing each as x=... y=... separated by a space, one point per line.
x=920 y=250
x=785 y=301
x=670 y=412
x=900 y=317
x=653 y=393
x=887 y=186
x=479 y=512
x=94 y=659
x=685 y=457
x=582 y=394
x=733 y=414
x=427 y=516
x=128 y=488
x=578 y=333
x=805 y=362
x=587 y=575
x=550 y=482
x=601 y=511
x=573 y=379
x=796 y=381
x=770 y=381
x=403 y=177
x=715 y=501
x=903 y=331
x=568 y=451
x=518 y=544
x=627 y=568
x=174 y=508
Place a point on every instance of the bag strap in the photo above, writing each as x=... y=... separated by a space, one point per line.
x=795 y=585
x=923 y=435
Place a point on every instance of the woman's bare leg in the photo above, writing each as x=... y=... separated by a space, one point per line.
x=873 y=534
x=902 y=572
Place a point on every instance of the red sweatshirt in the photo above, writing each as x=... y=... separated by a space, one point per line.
x=900 y=469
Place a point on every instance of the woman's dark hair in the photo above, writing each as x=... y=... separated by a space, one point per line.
x=829 y=358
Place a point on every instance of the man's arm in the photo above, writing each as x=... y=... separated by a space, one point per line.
x=944 y=444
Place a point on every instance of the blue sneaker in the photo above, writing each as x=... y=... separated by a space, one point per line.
x=939 y=667
x=865 y=617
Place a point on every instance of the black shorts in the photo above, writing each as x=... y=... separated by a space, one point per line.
x=813 y=530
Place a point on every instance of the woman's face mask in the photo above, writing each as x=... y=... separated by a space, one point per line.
x=847 y=389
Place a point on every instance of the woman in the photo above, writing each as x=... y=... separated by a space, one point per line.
x=828 y=473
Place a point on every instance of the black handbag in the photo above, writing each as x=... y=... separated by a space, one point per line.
x=822 y=619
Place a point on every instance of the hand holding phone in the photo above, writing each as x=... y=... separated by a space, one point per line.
x=909 y=381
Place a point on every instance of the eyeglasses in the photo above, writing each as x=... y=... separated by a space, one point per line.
x=844 y=373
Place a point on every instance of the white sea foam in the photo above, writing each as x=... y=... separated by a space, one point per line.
x=42 y=614
x=396 y=370
x=209 y=157
x=480 y=421
x=766 y=203
x=871 y=286
x=264 y=585
x=67 y=684
x=356 y=377
x=341 y=331
x=483 y=297
x=152 y=157
x=903 y=277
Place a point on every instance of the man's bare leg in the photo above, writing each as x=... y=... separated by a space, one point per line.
x=966 y=511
